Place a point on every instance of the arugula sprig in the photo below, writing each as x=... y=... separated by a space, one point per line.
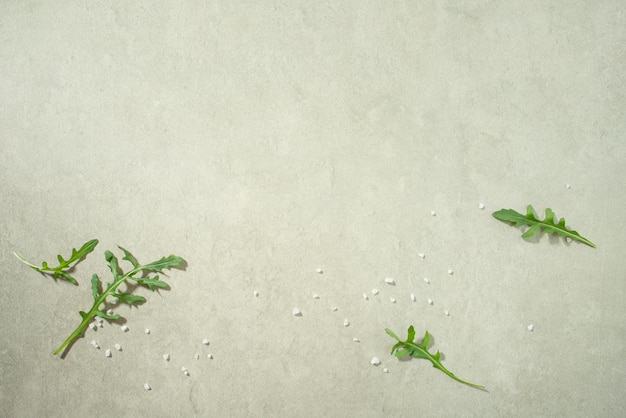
x=413 y=349
x=548 y=225
x=100 y=294
x=62 y=270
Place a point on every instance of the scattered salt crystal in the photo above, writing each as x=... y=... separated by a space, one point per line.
x=107 y=353
x=427 y=280
x=567 y=186
x=95 y=344
x=385 y=370
x=256 y=293
x=374 y=291
x=147 y=386
x=356 y=340
x=450 y=271
x=433 y=213
x=392 y=300
x=446 y=313
x=375 y=361
x=124 y=328
x=205 y=341
x=481 y=206
x=365 y=296
x=92 y=326
x=413 y=298
x=100 y=324
x=421 y=255
x=99 y=319
x=319 y=271
x=110 y=312
x=316 y=296
x=346 y=322
x=296 y=312
x=185 y=371
x=166 y=357
x=197 y=356
x=530 y=327
x=568 y=239
x=390 y=280
x=210 y=356
x=430 y=301
x=118 y=347
x=147 y=330
x=333 y=308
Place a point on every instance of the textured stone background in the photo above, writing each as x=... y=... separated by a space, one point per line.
x=262 y=140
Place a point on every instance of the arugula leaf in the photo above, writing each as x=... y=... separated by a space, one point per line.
x=62 y=270
x=413 y=349
x=548 y=224
x=119 y=277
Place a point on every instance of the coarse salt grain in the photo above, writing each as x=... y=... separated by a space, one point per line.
x=316 y=296
x=92 y=326
x=433 y=213
x=446 y=313
x=296 y=312
x=426 y=280
x=166 y=357
x=256 y=293
x=375 y=361
x=95 y=344
x=110 y=312
x=147 y=386
x=333 y=308
x=385 y=370
x=107 y=353
x=390 y=280
x=210 y=356
x=124 y=328
x=374 y=291
x=185 y=371
x=392 y=300
x=567 y=186
x=346 y=322
x=413 y=298
x=365 y=296
x=430 y=301
x=147 y=331
x=450 y=271
x=356 y=340
x=421 y=255
x=197 y=356
x=118 y=347
x=319 y=271
x=530 y=327
x=481 y=206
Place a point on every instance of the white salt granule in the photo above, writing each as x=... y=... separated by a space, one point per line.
x=530 y=327
x=319 y=271
x=446 y=313
x=316 y=296
x=256 y=293
x=333 y=308
x=427 y=280
x=197 y=356
x=185 y=371
x=92 y=326
x=433 y=213
x=413 y=298
x=118 y=347
x=374 y=291
x=481 y=206
x=567 y=186
x=450 y=271
x=365 y=296
x=390 y=280
x=166 y=357
x=385 y=370
x=147 y=386
x=124 y=328
x=346 y=322
x=421 y=255
x=392 y=300
x=210 y=356
x=296 y=312
x=110 y=312
x=356 y=340
x=430 y=301
x=95 y=344
x=147 y=331
x=205 y=341
x=375 y=361
x=107 y=353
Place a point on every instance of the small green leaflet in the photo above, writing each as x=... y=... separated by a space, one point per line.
x=413 y=349
x=62 y=270
x=548 y=224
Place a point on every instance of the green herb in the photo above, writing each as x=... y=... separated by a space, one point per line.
x=62 y=270
x=548 y=224
x=99 y=294
x=413 y=349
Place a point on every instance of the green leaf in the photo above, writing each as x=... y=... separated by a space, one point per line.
x=113 y=264
x=151 y=282
x=128 y=298
x=106 y=315
x=410 y=347
x=548 y=224
x=163 y=263
x=95 y=286
x=64 y=265
x=129 y=257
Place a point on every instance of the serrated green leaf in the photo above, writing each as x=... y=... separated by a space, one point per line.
x=64 y=265
x=163 y=263
x=129 y=257
x=128 y=298
x=113 y=264
x=391 y=334
x=151 y=282
x=106 y=315
x=420 y=351
x=548 y=225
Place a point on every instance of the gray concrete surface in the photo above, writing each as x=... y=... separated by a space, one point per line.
x=263 y=140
